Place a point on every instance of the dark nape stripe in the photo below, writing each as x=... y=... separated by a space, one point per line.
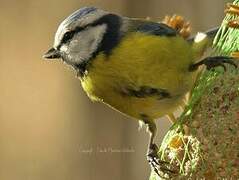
x=112 y=35
x=110 y=39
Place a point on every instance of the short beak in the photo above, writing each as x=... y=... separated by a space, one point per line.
x=52 y=54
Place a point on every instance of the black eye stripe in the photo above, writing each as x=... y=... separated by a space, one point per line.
x=70 y=34
x=78 y=29
x=112 y=21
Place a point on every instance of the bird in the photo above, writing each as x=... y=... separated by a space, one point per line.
x=138 y=67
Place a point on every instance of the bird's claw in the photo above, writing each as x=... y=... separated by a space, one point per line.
x=160 y=167
x=215 y=61
x=212 y=62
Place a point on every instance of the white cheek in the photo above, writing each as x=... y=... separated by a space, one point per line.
x=64 y=48
x=79 y=50
x=85 y=43
x=69 y=54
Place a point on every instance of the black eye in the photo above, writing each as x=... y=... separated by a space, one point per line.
x=67 y=36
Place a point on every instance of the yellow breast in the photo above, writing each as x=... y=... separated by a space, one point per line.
x=141 y=60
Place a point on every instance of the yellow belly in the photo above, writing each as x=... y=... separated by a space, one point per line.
x=142 y=60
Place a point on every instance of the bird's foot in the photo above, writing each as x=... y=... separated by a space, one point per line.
x=158 y=166
x=212 y=62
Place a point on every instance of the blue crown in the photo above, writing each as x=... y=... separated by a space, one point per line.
x=80 y=13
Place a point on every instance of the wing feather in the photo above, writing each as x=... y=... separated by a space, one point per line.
x=152 y=28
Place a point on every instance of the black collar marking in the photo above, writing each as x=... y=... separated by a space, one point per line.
x=110 y=39
x=112 y=35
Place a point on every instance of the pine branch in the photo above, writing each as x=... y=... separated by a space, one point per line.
x=210 y=149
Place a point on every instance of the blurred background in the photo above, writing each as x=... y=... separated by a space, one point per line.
x=49 y=129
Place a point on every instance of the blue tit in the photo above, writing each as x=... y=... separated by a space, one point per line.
x=140 y=68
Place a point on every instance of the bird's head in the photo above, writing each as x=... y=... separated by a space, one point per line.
x=84 y=34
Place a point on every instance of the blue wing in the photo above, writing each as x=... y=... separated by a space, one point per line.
x=158 y=29
x=152 y=28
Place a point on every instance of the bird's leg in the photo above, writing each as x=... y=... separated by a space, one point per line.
x=212 y=62
x=152 y=155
